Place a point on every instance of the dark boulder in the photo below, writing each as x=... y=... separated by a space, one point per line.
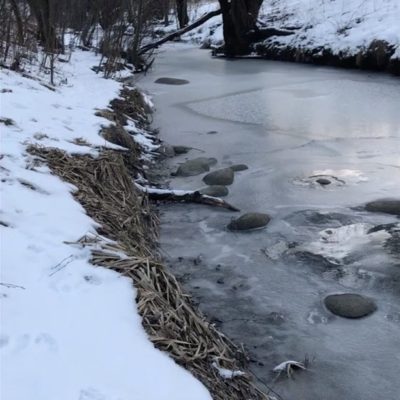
x=171 y=81
x=388 y=206
x=166 y=151
x=196 y=166
x=181 y=149
x=350 y=305
x=215 y=191
x=323 y=181
x=249 y=221
x=222 y=177
x=239 y=167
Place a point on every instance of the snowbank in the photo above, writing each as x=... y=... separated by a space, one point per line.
x=340 y=25
x=69 y=330
x=353 y=33
x=350 y=33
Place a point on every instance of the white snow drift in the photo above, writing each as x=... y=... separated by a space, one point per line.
x=68 y=330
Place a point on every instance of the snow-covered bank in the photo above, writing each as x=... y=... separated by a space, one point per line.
x=69 y=330
x=353 y=33
x=348 y=33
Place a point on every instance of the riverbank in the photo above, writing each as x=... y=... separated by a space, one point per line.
x=352 y=34
x=357 y=34
x=94 y=145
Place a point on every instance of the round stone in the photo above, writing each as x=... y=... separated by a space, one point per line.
x=166 y=151
x=249 y=221
x=181 y=149
x=388 y=206
x=350 y=305
x=171 y=81
x=323 y=181
x=239 y=167
x=196 y=166
x=222 y=177
x=215 y=191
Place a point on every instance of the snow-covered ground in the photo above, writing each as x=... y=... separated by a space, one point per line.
x=339 y=25
x=68 y=330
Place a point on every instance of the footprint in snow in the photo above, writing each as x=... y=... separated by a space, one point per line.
x=22 y=342
x=91 y=394
x=92 y=279
x=47 y=341
x=4 y=340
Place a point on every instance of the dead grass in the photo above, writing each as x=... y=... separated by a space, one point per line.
x=106 y=191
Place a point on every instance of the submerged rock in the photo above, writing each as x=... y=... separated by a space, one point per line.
x=181 y=149
x=222 y=177
x=350 y=305
x=196 y=166
x=215 y=191
x=171 y=81
x=388 y=206
x=210 y=161
x=249 y=221
x=323 y=181
x=321 y=218
x=166 y=150
x=239 y=167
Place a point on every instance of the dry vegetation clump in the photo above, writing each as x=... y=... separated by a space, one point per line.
x=127 y=243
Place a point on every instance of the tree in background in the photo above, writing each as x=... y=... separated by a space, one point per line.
x=239 y=20
x=115 y=28
x=182 y=13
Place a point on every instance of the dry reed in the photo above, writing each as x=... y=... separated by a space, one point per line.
x=106 y=191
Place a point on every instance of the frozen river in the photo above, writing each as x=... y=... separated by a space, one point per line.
x=265 y=288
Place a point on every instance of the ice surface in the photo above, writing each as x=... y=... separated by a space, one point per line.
x=289 y=122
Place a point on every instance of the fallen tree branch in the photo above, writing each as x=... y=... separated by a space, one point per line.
x=185 y=196
x=180 y=32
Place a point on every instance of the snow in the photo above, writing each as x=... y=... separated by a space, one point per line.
x=69 y=330
x=210 y=31
x=341 y=25
x=284 y=365
x=337 y=243
x=162 y=191
x=144 y=140
x=227 y=373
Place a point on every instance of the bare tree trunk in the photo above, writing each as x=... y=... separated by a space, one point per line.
x=46 y=30
x=18 y=20
x=138 y=32
x=239 y=19
x=166 y=12
x=181 y=9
